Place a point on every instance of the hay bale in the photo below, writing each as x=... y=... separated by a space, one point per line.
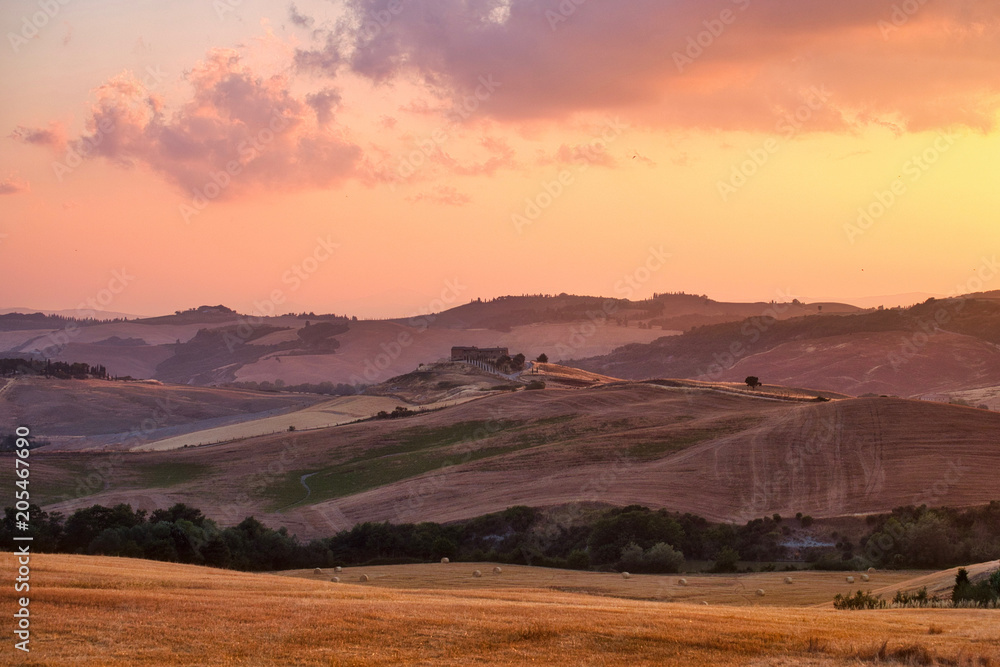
x=682 y=582
x=850 y=580
x=336 y=580
x=704 y=602
x=788 y=580
x=865 y=577
x=363 y=578
x=497 y=570
x=760 y=592
x=317 y=571
x=477 y=574
x=445 y=560
x=625 y=575
x=871 y=570
x=338 y=569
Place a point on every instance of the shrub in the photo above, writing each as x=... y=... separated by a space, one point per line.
x=726 y=561
x=859 y=600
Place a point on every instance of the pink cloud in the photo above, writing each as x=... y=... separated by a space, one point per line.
x=445 y=195
x=54 y=135
x=729 y=64
x=13 y=185
x=238 y=126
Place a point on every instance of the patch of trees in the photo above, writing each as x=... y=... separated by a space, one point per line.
x=982 y=594
x=22 y=321
x=8 y=443
x=398 y=413
x=62 y=370
x=921 y=537
x=326 y=388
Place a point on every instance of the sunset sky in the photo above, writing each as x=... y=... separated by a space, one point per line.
x=368 y=156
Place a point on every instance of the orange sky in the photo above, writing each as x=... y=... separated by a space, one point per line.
x=366 y=157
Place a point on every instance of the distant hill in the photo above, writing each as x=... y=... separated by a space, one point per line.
x=937 y=346
x=211 y=345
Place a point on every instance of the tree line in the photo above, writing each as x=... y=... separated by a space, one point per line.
x=633 y=539
x=62 y=370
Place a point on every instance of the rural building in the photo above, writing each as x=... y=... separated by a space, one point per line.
x=488 y=355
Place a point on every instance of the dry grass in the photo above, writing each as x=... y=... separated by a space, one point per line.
x=99 y=611
x=811 y=588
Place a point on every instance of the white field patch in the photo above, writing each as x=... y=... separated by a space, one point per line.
x=988 y=396
x=335 y=412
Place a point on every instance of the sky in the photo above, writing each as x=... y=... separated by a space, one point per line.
x=384 y=157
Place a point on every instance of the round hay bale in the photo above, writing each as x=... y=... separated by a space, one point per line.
x=445 y=560
x=850 y=580
x=682 y=582
x=704 y=602
x=497 y=570
x=871 y=570
x=363 y=578
x=338 y=569
x=788 y=580
x=317 y=571
x=336 y=580
x=625 y=575
x=477 y=574
x=760 y=592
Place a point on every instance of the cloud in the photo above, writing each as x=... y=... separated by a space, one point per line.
x=593 y=154
x=323 y=104
x=53 y=136
x=13 y=185
x=728 y=64
x=299 y=19
x=445 y=195
x=237 y=126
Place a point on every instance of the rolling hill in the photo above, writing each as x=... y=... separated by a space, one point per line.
x=213 y=345
x=939 y=346
x=719 y=451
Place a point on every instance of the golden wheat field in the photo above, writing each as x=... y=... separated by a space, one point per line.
x=112 y=611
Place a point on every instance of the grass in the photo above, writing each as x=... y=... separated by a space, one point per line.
x=133 y=612
x=416 y=451
x=164 y=475
x=651 y=450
